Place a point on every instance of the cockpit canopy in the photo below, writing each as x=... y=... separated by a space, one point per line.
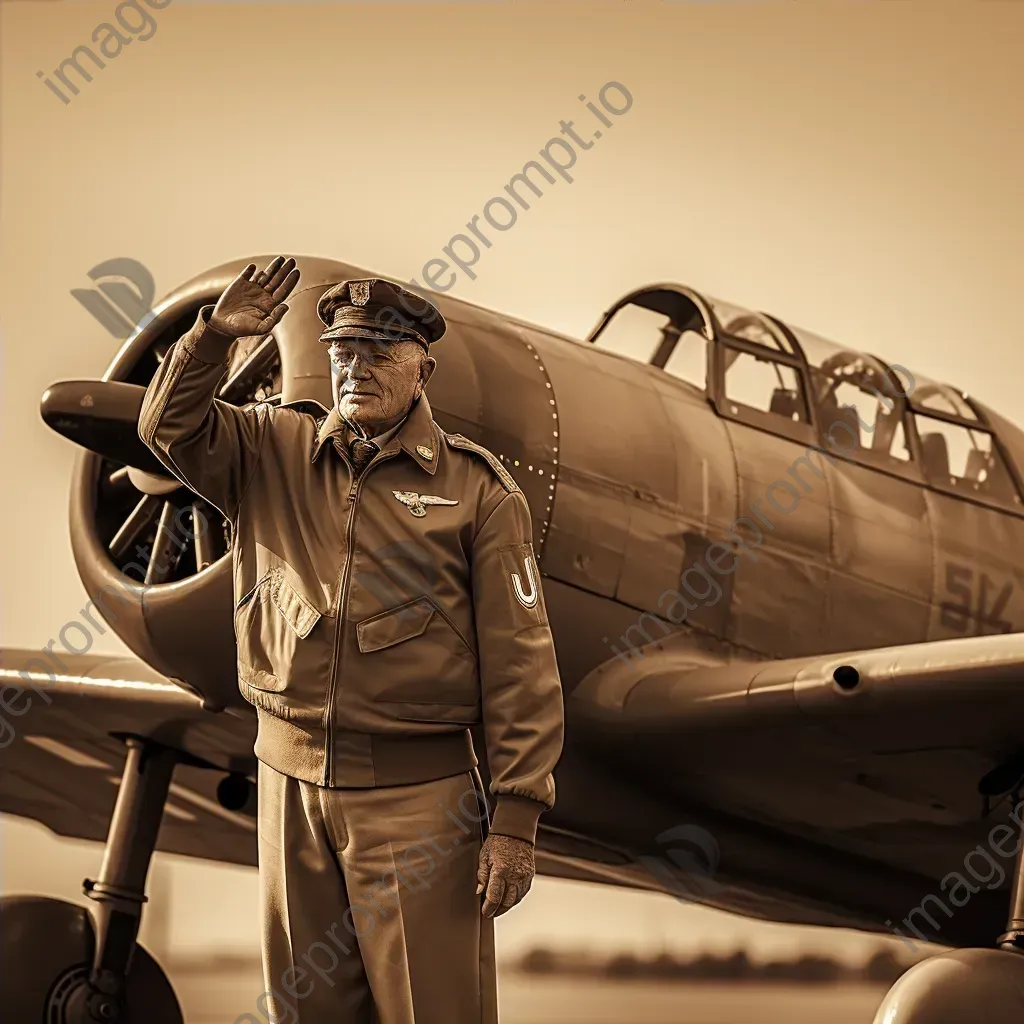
x=758 y=370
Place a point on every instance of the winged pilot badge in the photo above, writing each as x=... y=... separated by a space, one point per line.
x=416 y=503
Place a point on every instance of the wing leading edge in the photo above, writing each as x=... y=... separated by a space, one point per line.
x=856 y=781
x=61 y=756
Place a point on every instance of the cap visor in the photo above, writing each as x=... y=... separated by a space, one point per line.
x=364 y=332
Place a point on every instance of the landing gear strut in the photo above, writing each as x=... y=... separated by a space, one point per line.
x=1012 y=940
x=60 y=964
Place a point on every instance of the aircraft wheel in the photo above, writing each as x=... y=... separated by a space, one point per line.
x=46 y=948
x=965 y=986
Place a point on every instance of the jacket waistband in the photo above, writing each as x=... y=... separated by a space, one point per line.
x=362 y=760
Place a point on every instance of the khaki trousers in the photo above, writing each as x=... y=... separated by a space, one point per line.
x=369 y=905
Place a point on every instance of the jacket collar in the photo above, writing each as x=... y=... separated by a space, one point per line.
x=419 y=436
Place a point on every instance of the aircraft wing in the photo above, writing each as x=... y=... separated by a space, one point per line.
x=60 y=760
x=902 y=759
x=853 y=781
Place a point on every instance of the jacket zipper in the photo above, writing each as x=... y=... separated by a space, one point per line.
x=353 y=497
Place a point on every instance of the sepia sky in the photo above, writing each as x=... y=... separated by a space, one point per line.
x=854 y=168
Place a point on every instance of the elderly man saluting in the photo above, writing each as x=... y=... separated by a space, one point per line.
x=366 y=680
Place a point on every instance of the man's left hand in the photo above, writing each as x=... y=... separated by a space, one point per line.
x=506 y=873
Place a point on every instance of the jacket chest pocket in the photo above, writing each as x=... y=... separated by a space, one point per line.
x=280 y=646
x=414 y=654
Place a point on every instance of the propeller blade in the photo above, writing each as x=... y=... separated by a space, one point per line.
x=163 y=559
x=119 y=482
x=132 y=528
x=202 y=527
x=102 y=416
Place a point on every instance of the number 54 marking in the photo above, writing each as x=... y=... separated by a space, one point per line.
x=974 y=593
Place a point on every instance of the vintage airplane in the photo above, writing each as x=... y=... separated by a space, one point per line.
x=780 y=575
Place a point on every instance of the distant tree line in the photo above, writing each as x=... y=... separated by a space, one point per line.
x=882 y=968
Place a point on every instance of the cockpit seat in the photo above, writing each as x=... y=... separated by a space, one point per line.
x=979 y=465
x=786 y=403
x=935 y=454
x=846 y=414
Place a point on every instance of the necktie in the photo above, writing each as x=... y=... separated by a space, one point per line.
x=361 y=452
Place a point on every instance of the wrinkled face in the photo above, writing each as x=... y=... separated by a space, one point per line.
x=375 y=383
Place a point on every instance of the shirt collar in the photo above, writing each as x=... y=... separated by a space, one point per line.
x=382 y=439
x=417 y=435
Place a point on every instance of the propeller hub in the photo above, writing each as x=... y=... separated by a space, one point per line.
x=152 y=483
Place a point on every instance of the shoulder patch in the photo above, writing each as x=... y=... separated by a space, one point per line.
x=458 y=441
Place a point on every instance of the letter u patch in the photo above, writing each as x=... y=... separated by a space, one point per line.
x=523 y=579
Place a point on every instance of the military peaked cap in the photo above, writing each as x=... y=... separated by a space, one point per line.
x=378 y=309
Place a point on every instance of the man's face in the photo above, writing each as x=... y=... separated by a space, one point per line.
x=375 y=383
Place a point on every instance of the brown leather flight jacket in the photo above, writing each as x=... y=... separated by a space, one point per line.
x=378 y=615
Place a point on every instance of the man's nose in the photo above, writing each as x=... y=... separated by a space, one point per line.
x=359 y=369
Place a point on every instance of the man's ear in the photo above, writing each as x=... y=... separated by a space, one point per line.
x=426 y=369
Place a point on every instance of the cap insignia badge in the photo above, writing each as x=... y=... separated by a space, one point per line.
x=359 y=292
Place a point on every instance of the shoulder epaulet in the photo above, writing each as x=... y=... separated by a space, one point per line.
x=458 y=441
x=310 y=405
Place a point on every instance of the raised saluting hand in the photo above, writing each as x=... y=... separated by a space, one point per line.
x=253 y=303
